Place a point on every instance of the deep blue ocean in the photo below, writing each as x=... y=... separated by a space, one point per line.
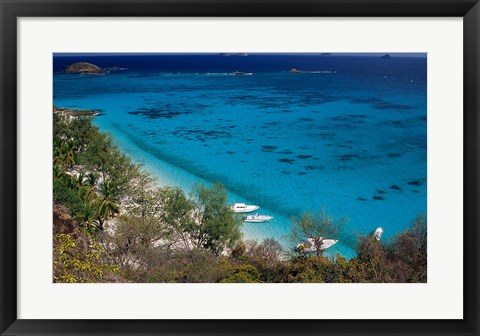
x=352 y=140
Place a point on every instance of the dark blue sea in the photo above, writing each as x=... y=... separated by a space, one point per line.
x=348 y=133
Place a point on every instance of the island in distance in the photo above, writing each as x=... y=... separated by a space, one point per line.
x=89 y=68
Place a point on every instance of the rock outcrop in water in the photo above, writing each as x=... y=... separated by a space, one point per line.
x=240 y=73
x=233 y=54
x=386 y=56
x=312 y=71
x=84 y=67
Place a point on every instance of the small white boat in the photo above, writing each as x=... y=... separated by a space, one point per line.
x=309 y=245
x=242 y=207
x=257 y=218
x=378 y=233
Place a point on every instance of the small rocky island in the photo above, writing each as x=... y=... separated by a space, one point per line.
x=233 y=54
x=386 y=56
x=240 y=73
x=84 y=68
x=313 y=71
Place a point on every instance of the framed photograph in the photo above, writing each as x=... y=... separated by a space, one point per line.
x=216 y=167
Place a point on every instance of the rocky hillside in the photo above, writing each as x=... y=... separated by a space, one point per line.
x=75 y=258
x=84 y=67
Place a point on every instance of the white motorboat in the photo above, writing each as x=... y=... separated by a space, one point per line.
x=309 y=246
x=257 y=218
x=378 y=233
x=242 y=207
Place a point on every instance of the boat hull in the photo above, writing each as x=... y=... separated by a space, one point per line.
x=258 y=220
x=248 y=208
x=327 y=243
x=378 y=233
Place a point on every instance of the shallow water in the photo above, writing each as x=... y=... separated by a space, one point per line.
x=354 y=141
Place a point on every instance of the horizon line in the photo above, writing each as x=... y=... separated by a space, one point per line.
x=321 y=54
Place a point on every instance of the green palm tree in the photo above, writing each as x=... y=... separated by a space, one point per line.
x=69 y=159
x=65 y=154
x=80 y=180
x=108 y=205
x=58 y=160
x=58 y=172
x=71 y=182
x=87 y=218
x=90 y=185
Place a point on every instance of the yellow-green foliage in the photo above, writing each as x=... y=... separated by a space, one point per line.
x=73 y=265
x=243 y=274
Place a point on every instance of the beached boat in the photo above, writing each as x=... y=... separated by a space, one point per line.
x=257 y=218
x=378 y=233
x=309 y=245
x=242 y=207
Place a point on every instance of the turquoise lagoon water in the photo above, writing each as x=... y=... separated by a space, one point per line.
x=353 y=141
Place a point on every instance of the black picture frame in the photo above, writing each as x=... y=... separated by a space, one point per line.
x=11 y=10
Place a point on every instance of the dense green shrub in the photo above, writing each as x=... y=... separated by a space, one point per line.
x=64 y=194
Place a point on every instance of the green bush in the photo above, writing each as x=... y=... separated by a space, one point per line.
x=64 y=194
x=243 y=274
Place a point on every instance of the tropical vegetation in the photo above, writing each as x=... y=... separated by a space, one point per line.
x=113 y=223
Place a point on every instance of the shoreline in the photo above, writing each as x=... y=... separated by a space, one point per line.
x=73 y=113
x=168 y=174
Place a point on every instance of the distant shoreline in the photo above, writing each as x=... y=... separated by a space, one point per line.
x=76 y=113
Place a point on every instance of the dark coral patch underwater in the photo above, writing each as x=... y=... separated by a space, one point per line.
x=348 y=157
x=389 y=106
x=380 y=104
x=369 y=100
x=268 y=148
x=203 y=135
x=155 y=113
x=417 y=183
x=314 y=167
